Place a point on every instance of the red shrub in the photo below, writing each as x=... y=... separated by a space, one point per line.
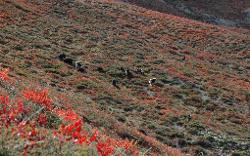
x=39 y=97
x=72 y=128
x=42 y=119
x=4 y=74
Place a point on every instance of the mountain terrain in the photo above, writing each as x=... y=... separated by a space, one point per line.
x=169 y=84
x=233 y=13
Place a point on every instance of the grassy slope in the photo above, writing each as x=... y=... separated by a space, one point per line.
x=225 y=9
x=199 y=104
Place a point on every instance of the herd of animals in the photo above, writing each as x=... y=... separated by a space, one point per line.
x=78 y=65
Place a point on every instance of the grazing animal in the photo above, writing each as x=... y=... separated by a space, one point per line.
x=141 y=71
x=189 y=117
x=78 y=64
x=69 y=61
x=81 y=69
x=115 y=83
x=62 y=57
x=152 y=81
x=129 y=74
x=100 y=69
x=123 y=70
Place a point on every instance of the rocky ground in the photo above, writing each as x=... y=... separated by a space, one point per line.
x=199 y=102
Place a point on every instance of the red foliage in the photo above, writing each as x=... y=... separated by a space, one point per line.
x=104 y=148
x=42 y=119
x=67 y=115
x=39 y=97
x=71 y=129
x=2 y=15
x=4 y=74
x=4 y=100
x=94 y=136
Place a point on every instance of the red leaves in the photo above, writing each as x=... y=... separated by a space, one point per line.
x=3 y=15
x=4 y=74
x=67 y=115
x=42 y=119
x=4 y=112
x=4 y=100
x=71 y=131
x=105 y=149
x=39 y=97
x=94 y=136
x=74 y=132
x=71 y=128
x=109 y=146
x=4 y=18
x=25 y=121
x=20 y=106
x=33 y=132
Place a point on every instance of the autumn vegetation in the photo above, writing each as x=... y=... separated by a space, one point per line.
x=198 y=103
x=31 y=116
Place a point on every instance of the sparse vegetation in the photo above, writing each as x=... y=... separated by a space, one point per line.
x=150 y=83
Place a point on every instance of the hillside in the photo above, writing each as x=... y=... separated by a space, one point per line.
x=234 y=13
x=198 y=104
